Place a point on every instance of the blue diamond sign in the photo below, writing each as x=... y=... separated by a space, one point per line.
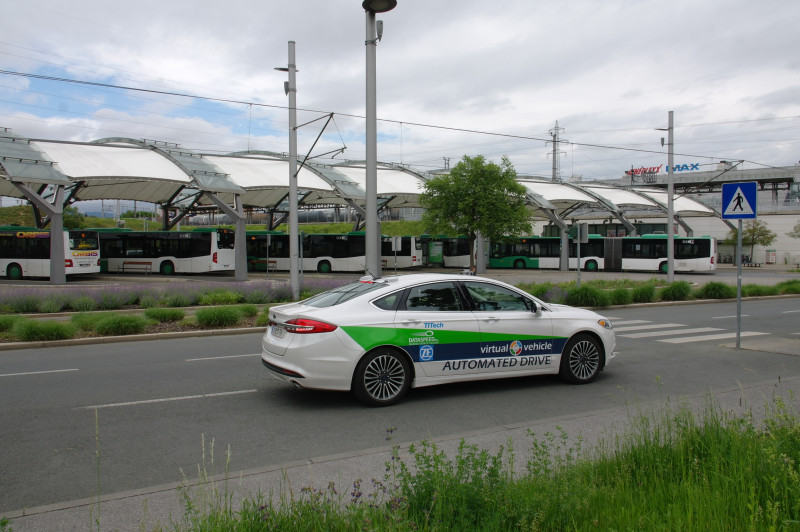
x=739 y=200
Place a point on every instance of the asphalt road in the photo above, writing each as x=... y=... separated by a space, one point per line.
x=81 y=420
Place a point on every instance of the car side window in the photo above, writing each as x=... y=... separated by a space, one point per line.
x=388 y=302
x=435 y=296
x=491 y=297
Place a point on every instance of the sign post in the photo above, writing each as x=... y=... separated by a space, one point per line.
x=739 y=202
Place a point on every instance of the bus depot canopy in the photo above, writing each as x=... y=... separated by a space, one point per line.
x=166 y=174
x=25 y=163
x=265 y=179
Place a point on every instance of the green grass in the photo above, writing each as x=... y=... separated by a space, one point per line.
x=676 y=470
x=121 y=325
x=40 y=331
x=164 y=315
x=218 y=317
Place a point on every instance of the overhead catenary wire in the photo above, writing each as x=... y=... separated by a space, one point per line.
x=351 y=115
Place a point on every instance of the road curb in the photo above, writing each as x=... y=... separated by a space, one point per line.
x=129 y=338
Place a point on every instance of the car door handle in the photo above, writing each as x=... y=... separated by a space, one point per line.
x=490 y=318
x=410 y=322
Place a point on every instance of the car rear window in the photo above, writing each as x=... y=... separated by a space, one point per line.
x=342 y=294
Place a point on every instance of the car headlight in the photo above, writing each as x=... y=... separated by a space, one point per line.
x=605 y=323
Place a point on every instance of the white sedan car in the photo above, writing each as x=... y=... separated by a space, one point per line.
x=381 y=337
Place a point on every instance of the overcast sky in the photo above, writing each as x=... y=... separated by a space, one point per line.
x=455 y=78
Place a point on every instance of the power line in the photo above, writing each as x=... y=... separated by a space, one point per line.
x=349 y=115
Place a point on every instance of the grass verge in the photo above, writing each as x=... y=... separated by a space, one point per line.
x=675 y=471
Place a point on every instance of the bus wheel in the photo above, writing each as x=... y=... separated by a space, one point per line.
x=663 y=268
x=14 y=272
x=324 y=267
x=590 y=266
x=519 y=264
x=167 y=268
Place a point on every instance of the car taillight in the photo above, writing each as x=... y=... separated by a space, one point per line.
x=68 y=263
x=303 y=326
x=712 y=260
x=214 y=257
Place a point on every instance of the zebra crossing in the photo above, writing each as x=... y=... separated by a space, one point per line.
x=680 y=333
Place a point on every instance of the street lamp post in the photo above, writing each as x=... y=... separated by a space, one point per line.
x=373 y=262
x=670 y=201
x=294 y=256
x=670 y=198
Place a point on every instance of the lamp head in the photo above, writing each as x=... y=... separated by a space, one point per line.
x=379 y=6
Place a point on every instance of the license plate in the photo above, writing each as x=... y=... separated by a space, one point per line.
x=277 y=331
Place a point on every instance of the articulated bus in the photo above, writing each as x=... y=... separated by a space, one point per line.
x=629 y=253
x=25 y=252
x=200 y=250
x=328 y=252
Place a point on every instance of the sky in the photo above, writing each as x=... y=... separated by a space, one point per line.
x=454 y=78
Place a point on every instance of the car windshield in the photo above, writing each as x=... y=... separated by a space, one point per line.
x=342 y=294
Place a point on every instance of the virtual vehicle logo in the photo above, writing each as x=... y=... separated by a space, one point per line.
x=515 y=348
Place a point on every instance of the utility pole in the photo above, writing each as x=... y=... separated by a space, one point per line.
x=556 y=153
x=670 y=201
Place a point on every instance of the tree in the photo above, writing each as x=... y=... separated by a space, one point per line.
x=476 y=197
x=753 y=232
x=73 y=219
x=794 y=233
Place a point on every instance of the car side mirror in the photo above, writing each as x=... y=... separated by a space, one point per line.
x=535 y=309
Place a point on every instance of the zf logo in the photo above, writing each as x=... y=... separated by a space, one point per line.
x=426 y=353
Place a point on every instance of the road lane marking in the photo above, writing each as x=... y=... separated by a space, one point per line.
x=710 y=337
x=222 y=357
x=167 y=399
x=673 y=331
x=790 y=311
x=726 y=317
x=629 y=322
x=650 y=326
x=36 y=372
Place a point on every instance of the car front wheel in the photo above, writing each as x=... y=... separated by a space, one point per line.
x=581 y=359
x=382 y=378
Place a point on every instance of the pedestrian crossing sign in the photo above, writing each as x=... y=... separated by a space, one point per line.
x=739 y=200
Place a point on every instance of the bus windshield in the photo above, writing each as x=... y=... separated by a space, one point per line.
x=80 y=240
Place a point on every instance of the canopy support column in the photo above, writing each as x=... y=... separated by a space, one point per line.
x=58 y=273
x=240 y=243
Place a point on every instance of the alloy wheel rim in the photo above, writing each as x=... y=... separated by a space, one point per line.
x=384 y=377
x=584 y=359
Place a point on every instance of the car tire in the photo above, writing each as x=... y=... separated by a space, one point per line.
x=167 y=268
x=324 y=267
x=519 y=264
x=581 y=359
x=663 y=268
x=382 y=378
x=590 y=266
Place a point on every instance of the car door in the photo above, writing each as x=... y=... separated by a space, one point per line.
x=438 y=331
x=514 y=338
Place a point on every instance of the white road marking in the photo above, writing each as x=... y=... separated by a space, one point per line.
x=727 y=317
x=37 y=372
x=222 y=357
x=710 y=337
x=650 y=326
x=667 y=333
x=790 y=311
x=168 y=399
x=628 y=322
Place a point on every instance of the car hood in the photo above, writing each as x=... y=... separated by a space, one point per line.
x=582 y=312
